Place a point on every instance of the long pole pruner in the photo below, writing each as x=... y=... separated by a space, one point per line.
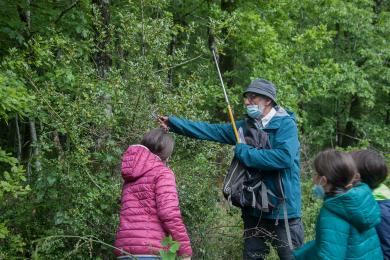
x=226 y=97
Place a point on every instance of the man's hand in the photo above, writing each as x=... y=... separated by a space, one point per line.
x=163 y=122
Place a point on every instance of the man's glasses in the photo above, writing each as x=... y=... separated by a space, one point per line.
x=250 y=96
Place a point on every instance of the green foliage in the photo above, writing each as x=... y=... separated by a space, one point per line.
x=12 y=178
x=13 y=95
x=12 y=192
x=171 y=247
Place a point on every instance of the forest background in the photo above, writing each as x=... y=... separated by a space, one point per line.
x=80 y=78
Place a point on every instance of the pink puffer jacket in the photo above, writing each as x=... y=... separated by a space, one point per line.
x=150 y=205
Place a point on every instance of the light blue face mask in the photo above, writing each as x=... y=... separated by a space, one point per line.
x=254 y=111
x=318 y=191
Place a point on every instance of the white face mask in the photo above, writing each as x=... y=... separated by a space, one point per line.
x=261 y=109
x=166 y=162
x=255 y=111
x=318 y=190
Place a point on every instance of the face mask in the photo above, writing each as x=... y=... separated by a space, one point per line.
x=318 y=191
x=166 y=162
x=255 y=111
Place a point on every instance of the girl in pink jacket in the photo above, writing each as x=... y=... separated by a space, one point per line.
x=149 y=205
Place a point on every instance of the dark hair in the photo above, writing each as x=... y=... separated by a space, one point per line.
x=159 y=142
x=371 y=166
x=338 y=168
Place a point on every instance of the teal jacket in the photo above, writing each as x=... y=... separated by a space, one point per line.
x=283 y=157
x=345 y=228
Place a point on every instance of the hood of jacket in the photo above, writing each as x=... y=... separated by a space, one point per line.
x=281 y=115
x=138 y=160
x=357 y=206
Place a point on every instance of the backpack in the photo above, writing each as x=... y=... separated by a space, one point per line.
x=244 y=186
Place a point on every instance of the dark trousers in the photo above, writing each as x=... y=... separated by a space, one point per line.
x=260 y=233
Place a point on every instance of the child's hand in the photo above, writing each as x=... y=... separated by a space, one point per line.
x=163 y=122
x=186 y=258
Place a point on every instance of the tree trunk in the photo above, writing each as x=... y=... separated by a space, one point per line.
x=102 y=58
x=351 y=132
x=33 y=130
x=18 y=139
x=103 y=61
x=57 y=142
x=143 y=47
x=34 y=142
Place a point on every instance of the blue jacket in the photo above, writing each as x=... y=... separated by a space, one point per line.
x=283 y=157
x=382 y=196
x=345 y=228
x=383 y=228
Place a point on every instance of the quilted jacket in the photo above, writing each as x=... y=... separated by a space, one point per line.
x=149 y=205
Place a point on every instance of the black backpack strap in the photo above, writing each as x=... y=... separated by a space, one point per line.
x=251 y=135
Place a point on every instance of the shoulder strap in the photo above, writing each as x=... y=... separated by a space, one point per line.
x=256 y=137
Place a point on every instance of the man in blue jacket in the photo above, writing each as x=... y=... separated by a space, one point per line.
x=283 y=157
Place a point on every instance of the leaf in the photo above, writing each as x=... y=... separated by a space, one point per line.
x=174 y=247
x=51 y=180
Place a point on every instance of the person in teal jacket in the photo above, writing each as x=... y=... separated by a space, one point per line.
x=345 y=227
x=281 y=127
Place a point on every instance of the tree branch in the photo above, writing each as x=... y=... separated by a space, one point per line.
x=180 y=64
x=65 y=11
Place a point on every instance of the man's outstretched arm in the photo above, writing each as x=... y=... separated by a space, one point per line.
x=221 y=133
